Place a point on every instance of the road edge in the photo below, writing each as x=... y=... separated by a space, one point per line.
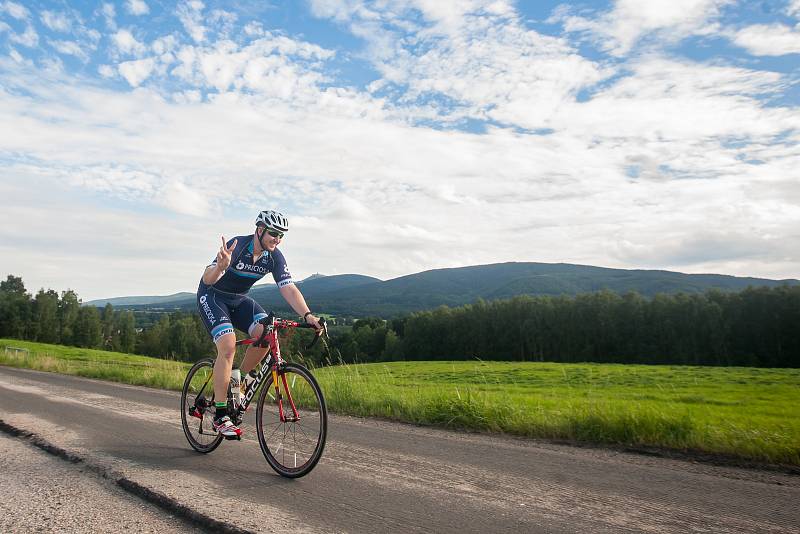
x=134 y=488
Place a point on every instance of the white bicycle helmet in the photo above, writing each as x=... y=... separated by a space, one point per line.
x=273 y=220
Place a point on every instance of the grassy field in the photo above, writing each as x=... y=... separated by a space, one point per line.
x=747 y=413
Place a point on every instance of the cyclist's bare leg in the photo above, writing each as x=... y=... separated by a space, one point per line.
x=253 y=354
x=226 y=349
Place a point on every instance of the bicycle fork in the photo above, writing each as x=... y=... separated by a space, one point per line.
x=284 y=418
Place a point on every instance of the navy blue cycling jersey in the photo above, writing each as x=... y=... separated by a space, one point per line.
x=224 y=305
x=243 y=272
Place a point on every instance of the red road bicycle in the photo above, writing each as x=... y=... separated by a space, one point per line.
x=291 y=417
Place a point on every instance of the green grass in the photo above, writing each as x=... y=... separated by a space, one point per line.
x=747 y=413
x=113 y=366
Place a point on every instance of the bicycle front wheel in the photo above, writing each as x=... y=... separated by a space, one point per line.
x=197 y=407
x=292 y=421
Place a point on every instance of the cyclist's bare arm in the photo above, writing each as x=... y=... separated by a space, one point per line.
x=214 y=272
x=295 y=299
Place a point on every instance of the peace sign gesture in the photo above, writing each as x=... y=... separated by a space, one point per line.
x=224 y=255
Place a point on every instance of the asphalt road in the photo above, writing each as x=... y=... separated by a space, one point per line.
x=377 y=476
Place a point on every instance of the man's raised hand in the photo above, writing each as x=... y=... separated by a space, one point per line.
x=224 y=254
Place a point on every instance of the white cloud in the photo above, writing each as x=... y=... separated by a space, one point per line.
x=180 y=198
x=254 y=29
x=191 y=16
x=70 y=48
x=188 y=97
x=109 y=13
x=16 y=56
x=126 y=43
x=52 y=65
x=566 y=195
x=477 y=55
x=26 y=222
x=793 y=8
x=28 y=38
x=272 y=66
x=669 y=100
x=106 y=71
x=630 y=175
x=137 y=7
x=769 y=39
x=94 y=36
x=17 y=11
x=165 y=44
x=56 y=21
x=137 y=71
x=222 y=21
x=619 y=29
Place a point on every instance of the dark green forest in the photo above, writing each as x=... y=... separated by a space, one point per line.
x=758 y=326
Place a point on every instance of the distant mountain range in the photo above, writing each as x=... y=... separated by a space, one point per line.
x=359 y=296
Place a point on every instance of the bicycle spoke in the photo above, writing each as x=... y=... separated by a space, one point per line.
x=197 y=429
x=277 y=427
x=292 y=447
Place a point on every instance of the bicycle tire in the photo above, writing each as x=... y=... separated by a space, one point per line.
x=198 y=430
x=284 y=443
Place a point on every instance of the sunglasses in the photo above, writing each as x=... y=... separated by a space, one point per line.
x=275 y=233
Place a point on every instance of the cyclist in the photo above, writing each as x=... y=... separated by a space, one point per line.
x=223 y=302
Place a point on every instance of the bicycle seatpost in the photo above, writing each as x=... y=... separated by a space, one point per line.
x=267 y=322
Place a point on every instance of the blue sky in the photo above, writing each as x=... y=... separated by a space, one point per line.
x=397 y=136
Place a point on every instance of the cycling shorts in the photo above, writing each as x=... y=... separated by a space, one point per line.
x=221 y=312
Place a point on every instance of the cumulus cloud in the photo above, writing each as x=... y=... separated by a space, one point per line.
x=769 y=39
x=476 y=57
x=106 y=71
x=614 y=161
x=28 y=38
x=271 y=66
x=16 y=56
x=137 y=7
x=190 y=13
x=254 y=28
x=56 y=21
x=14 y=9
x=137 y=71
x=164 y=45
x=629 y=21
x=368 y=175
x=222 y=21
x=70 y=48
x=126 y=43
x=180 y=198
x=666 y=100
x=109 y=13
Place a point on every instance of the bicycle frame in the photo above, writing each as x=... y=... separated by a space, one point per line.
x=267 y=365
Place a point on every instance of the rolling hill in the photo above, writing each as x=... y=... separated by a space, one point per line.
x=359 y=296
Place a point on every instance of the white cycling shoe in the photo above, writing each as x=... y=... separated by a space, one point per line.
x=225 y=426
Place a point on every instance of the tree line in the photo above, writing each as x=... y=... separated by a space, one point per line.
x=50 y=317
x=758 y=327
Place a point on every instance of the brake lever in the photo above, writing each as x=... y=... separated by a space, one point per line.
x=319 y=333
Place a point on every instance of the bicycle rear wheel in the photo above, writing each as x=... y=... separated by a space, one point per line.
x=292 y=443
x=197 y=407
